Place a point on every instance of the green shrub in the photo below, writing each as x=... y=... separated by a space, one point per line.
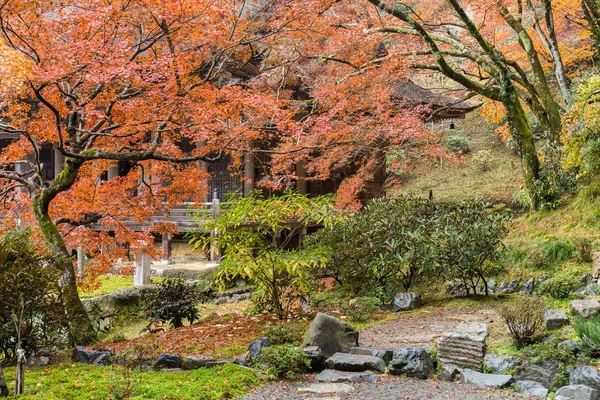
x=174 y=300
x=525 y=320
x=284 y=361
x=589 y=332
x=557 y=250
x=124 y=383
x=484 y=160
x=560 y=286
x=285 y=334
x=362 y=309
x=585 y=250
x=458 y=144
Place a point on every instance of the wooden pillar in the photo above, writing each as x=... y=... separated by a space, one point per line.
x=112 y=172
x=167 y=246
x=248 y=173
x=143 y=268
x=59 y=161
x=80 y=259
x=301 y=186
x=215 y=255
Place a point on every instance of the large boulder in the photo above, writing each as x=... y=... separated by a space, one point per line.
x=3 y=385
x=531 y=387
x=585 y=308
x=256 y=347
x=407 y=301
x=91 y=356
x=499 y=364
x=355 y=363
x=544 y=372
x=330 y=335
x=587 y=376
x=555 y=319
x=576 y=392
x=333 y=376
x=465 y=347
x=414 y=362
x=478 y=379
x=168 y=361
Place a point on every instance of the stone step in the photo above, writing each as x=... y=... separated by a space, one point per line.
x=326 y=388
x=330 y=375
x=355 y=363
x=386 y=354
x=493 y=381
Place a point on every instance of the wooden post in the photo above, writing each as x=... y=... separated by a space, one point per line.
x=301 y=186
x=59 y=160
x=143 y=268
x=20 y=378
x=112 y=172
x=167 y=246
x=80 y=259
x=248 y=173
x=215 y=257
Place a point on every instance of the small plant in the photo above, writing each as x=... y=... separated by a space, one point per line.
x=525 y=320
x=173 y=300
x=285 y=334
x=284 y=361
x=362 y=309
x=561 y=286
x=458 y=144
x=589 y=332
x=124 y=384
x=483 y=159
x=557 y=250
x=585 y=250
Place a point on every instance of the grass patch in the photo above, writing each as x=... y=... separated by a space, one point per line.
x=108 y=284
x=79 y=381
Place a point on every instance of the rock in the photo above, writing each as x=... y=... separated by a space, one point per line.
x=414 y=362
x=493 y=381
x=91 y=356
x=544 y=372
x=499 y=364
x=355 y=363
x=571 y=345
x=502 y=287
x=576 y=392
x=585 y=308
x=195 y=362
x=406 y=301
x=555 y=319
x=386 y=355
x=330 y=335
x=256 y=347
x=531 y=387
x=596 y=266
x=449 y=373
x=585 y=279
x=450 y=288
x=527 y=287
x=326 y=388
x=167 y=361
x=316 y=358
x=590 y=289
x=463 y=348
x=492 y=285
x=37 y=361
x=172 y=370
x=330 y=375
x=512 y=287
x=3 y=385
x=587 y=376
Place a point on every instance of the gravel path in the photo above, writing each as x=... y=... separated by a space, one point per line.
x=386 y=388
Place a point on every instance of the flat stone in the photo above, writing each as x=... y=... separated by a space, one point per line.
x=587 y=376
x=596 y=266
x=414 y=362
x=531 y=387
x=499 y=364
x=330 y=335
x=355 y=363
x=330 y=375
x=407 y=301
x=473 y=328
x=93 y=357
x=493 y=381
x=576 y=392
x=585 y=308
x=326 y=388
x=386 y=355
x=543 y=372
x=555 y=319
x=167 y=361
x=195 y=362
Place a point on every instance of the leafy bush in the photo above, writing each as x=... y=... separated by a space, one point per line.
x=174 y=300
x=483 y=159
x=458 y=144
x=283 y=361
x=560 y=286
x=385 y=247
x=525 y=320
x=256 y=236
x=557 y=250
x=589 y=332
x=291 y=333
x=362 y=309
x=30 y=297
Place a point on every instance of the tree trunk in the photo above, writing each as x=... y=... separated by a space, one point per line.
x=523 y=137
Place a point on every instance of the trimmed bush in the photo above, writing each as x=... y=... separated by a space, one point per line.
x=285 y=334
x=284 y=361
x=525 y=320
x=173 y=300
x=458 y=144
x=560 y=286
